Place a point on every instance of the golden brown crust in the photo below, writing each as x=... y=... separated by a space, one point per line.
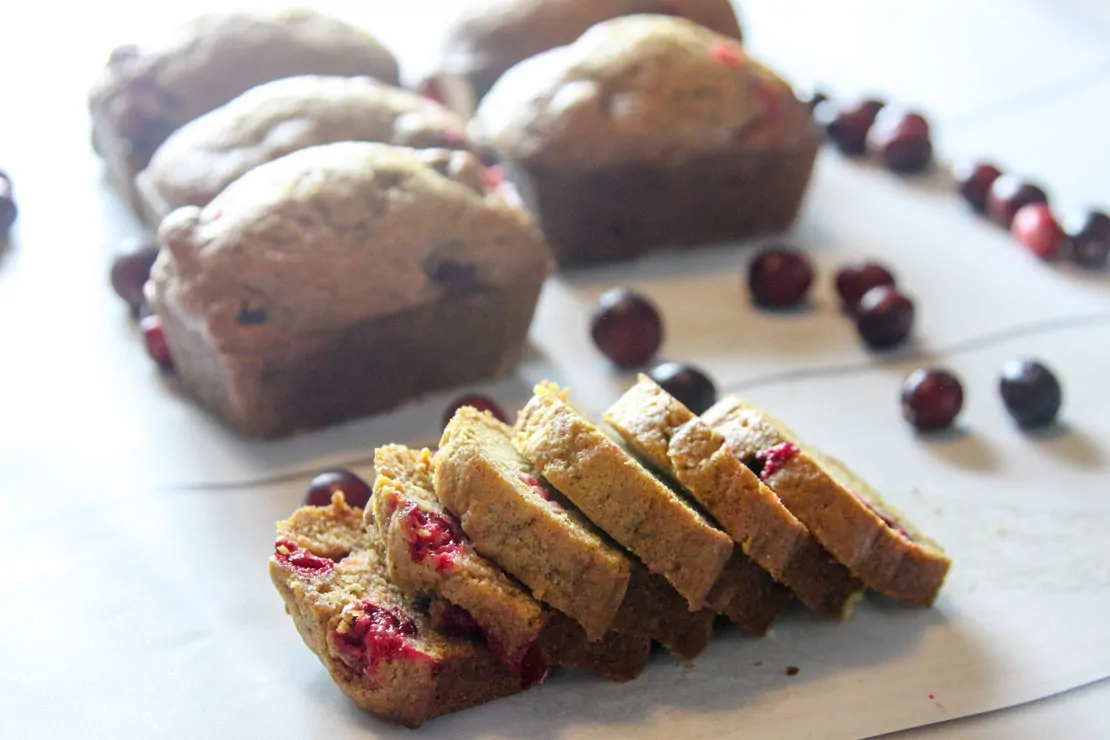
x=478 y=478
x=844 y=513
x=620 y=496
x=429 y=674
x=666 y=434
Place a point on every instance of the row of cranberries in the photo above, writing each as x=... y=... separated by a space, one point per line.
x=901 y=139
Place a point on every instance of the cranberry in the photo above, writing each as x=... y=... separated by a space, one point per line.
x=1006 y=197
x=1036 y=228
x=1089 y=240
x=902 y=140
x=626 y=327
x=431 y=535
x=301 y=559
x=540 y=489
x=690 y=386
x=8 y=209
x=154 y=337
x=853 y=280
x=533 y=666
x=474 y=401
x=1030 y=392
x=432 y=89
x=884 y=317
x=974 y=180
x=728 y=53
x=931 y=399
x=458 y=622
x=131 y=270
x=773 y=459
x=778 y=278
x=847 y=126
x=376 y=635
x=320 y=489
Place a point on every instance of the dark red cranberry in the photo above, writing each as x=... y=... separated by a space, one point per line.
x=8 y=208
x=626 y=327
x=779 y=278
x=884 y=317
x=1031 y=392
x=931 y=399
x=853 y=280
x=458 y=622
x=902 y=140
x=847 y=126
x=475 y=401
x=690 y=386
x=1036 y=228
x=431 y=535
x=974 y=180
x=301 y=559
x=375 y=635
x=533 y=666
x=1089 y=240
x=154 y=337
x=355 y=490
x=771 y=460
x=131 y=270
x=1006 y=197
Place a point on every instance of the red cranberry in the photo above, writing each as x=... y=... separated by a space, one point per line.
x=852 y=281
x=902 y=140
x=974 y=180
x=769 y=461
x=847 y=126
x=626 y=327
x=690 y=386
x=458 y=622
x=376 y=635
x=728 y=53
x=1031 y=392
x=154 y=337
x=8 y=208
x=431 y=535
x=475 y=401
x=1006 y=197
x=355 y=490
x=131 y=270
x=931 y=399
x=301 y=559
x=778 y=278
x=1089 y=240
x=884 y=317
x=1036 y=228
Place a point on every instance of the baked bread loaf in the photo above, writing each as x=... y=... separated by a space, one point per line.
x=649 y=131
x=147 y=92
x=489 y=37
x=204 y=156
x=380 y=647
x=541 y=538
x=673 y=440
x=342 y=280
x=620 y=496
x=846 y=515
x=428 y=555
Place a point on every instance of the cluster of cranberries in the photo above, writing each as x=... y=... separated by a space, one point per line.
x=130 y=271
x=1023 y=208
x=8 y=208
x=899 y=137
x=932 y=398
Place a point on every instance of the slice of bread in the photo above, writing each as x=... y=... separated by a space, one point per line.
x=380 y=647
x=620 y=496
x=670 y=438
x=846 y=515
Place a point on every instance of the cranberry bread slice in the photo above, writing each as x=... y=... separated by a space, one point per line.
x=620 y=496
x=271 y=120
x=845 y=514
x=428 y=556
x=673 y=440
x=380 y=647
x=148 y=91
x=482 y=479
x=542 y=539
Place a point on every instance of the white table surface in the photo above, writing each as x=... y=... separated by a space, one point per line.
x=103 y=467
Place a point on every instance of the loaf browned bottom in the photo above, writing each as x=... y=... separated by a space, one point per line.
x=747 y=595
x=358 y=370
x=652 y=608
x=622 y=212
x=616 y=656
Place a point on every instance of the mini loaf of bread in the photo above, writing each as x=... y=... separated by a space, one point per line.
x=205 y=155
x=489 y=37
x=146 y=92
x=647 y=131
x=343 y=280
